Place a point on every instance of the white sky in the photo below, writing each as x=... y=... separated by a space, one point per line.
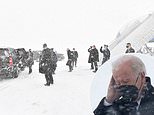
x=66 y=23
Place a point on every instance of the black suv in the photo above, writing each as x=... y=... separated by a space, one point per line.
x=8 y=63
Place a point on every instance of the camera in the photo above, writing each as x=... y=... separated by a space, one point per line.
x=127 y=46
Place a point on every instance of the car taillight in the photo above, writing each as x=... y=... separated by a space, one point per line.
x=10 y=61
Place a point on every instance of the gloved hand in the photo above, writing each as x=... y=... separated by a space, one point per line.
x=128 y=92
x=127 y=101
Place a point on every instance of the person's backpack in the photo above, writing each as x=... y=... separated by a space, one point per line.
x=45 y=61
x=43 y=67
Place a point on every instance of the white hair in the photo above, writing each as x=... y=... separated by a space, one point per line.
x=136 y=63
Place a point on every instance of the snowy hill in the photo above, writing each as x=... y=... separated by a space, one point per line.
x=27 y=95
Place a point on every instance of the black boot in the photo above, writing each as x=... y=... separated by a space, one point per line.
x=47 y=84
x=95 y=70
x=30 y=70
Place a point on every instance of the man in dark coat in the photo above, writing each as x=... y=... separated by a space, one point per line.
x=46 y=63
x=94 y=57
x=90 y=59
x=70 y=59
x=106 y=53
x=75 y=56
x=30 y=61
x=130 y=92
x=129 y=48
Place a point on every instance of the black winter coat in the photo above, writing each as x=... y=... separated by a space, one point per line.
x=146 y=106
x=95 y=55
x=89 y=59
x=130 y=50
x=30 y=60
x=46 y=55
x=70 y=54
x=106 y=53
x=75 y=54
x=45 y=64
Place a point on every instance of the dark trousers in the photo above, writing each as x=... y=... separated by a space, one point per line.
x=74 y=62
x=49 y=78
x=70 y=67
x=30 y=69
x=54 y=68
x=104 y=60
x=94 y=65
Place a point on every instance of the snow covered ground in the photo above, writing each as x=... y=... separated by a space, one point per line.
x=72 y=92
x=27 y=95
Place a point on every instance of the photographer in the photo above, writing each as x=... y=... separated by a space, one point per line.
x=129 y=92
x=129 y=48
x=106 y=53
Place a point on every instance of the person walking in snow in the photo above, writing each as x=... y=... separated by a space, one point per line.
x=30 y=60
x=70 y=59
x=90 y=59
x=46 y=65
x=94 y=57
x=75 y=56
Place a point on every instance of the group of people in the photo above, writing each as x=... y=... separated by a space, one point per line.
x=25 y=59
x=72 y=59
x=130 y=91
x=94 y=56
x=48 y=60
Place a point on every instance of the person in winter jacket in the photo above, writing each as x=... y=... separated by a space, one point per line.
x=129 y=92
x=70 y=59
x=46 y=64
x=94 y=57
x=90 y=59
x=106 y=53
x=30 y=61
x=75 y=56
x=129 y=48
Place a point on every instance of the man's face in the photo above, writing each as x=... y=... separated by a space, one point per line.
x=125 y=76
x=105 y=47
x=128 y=46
